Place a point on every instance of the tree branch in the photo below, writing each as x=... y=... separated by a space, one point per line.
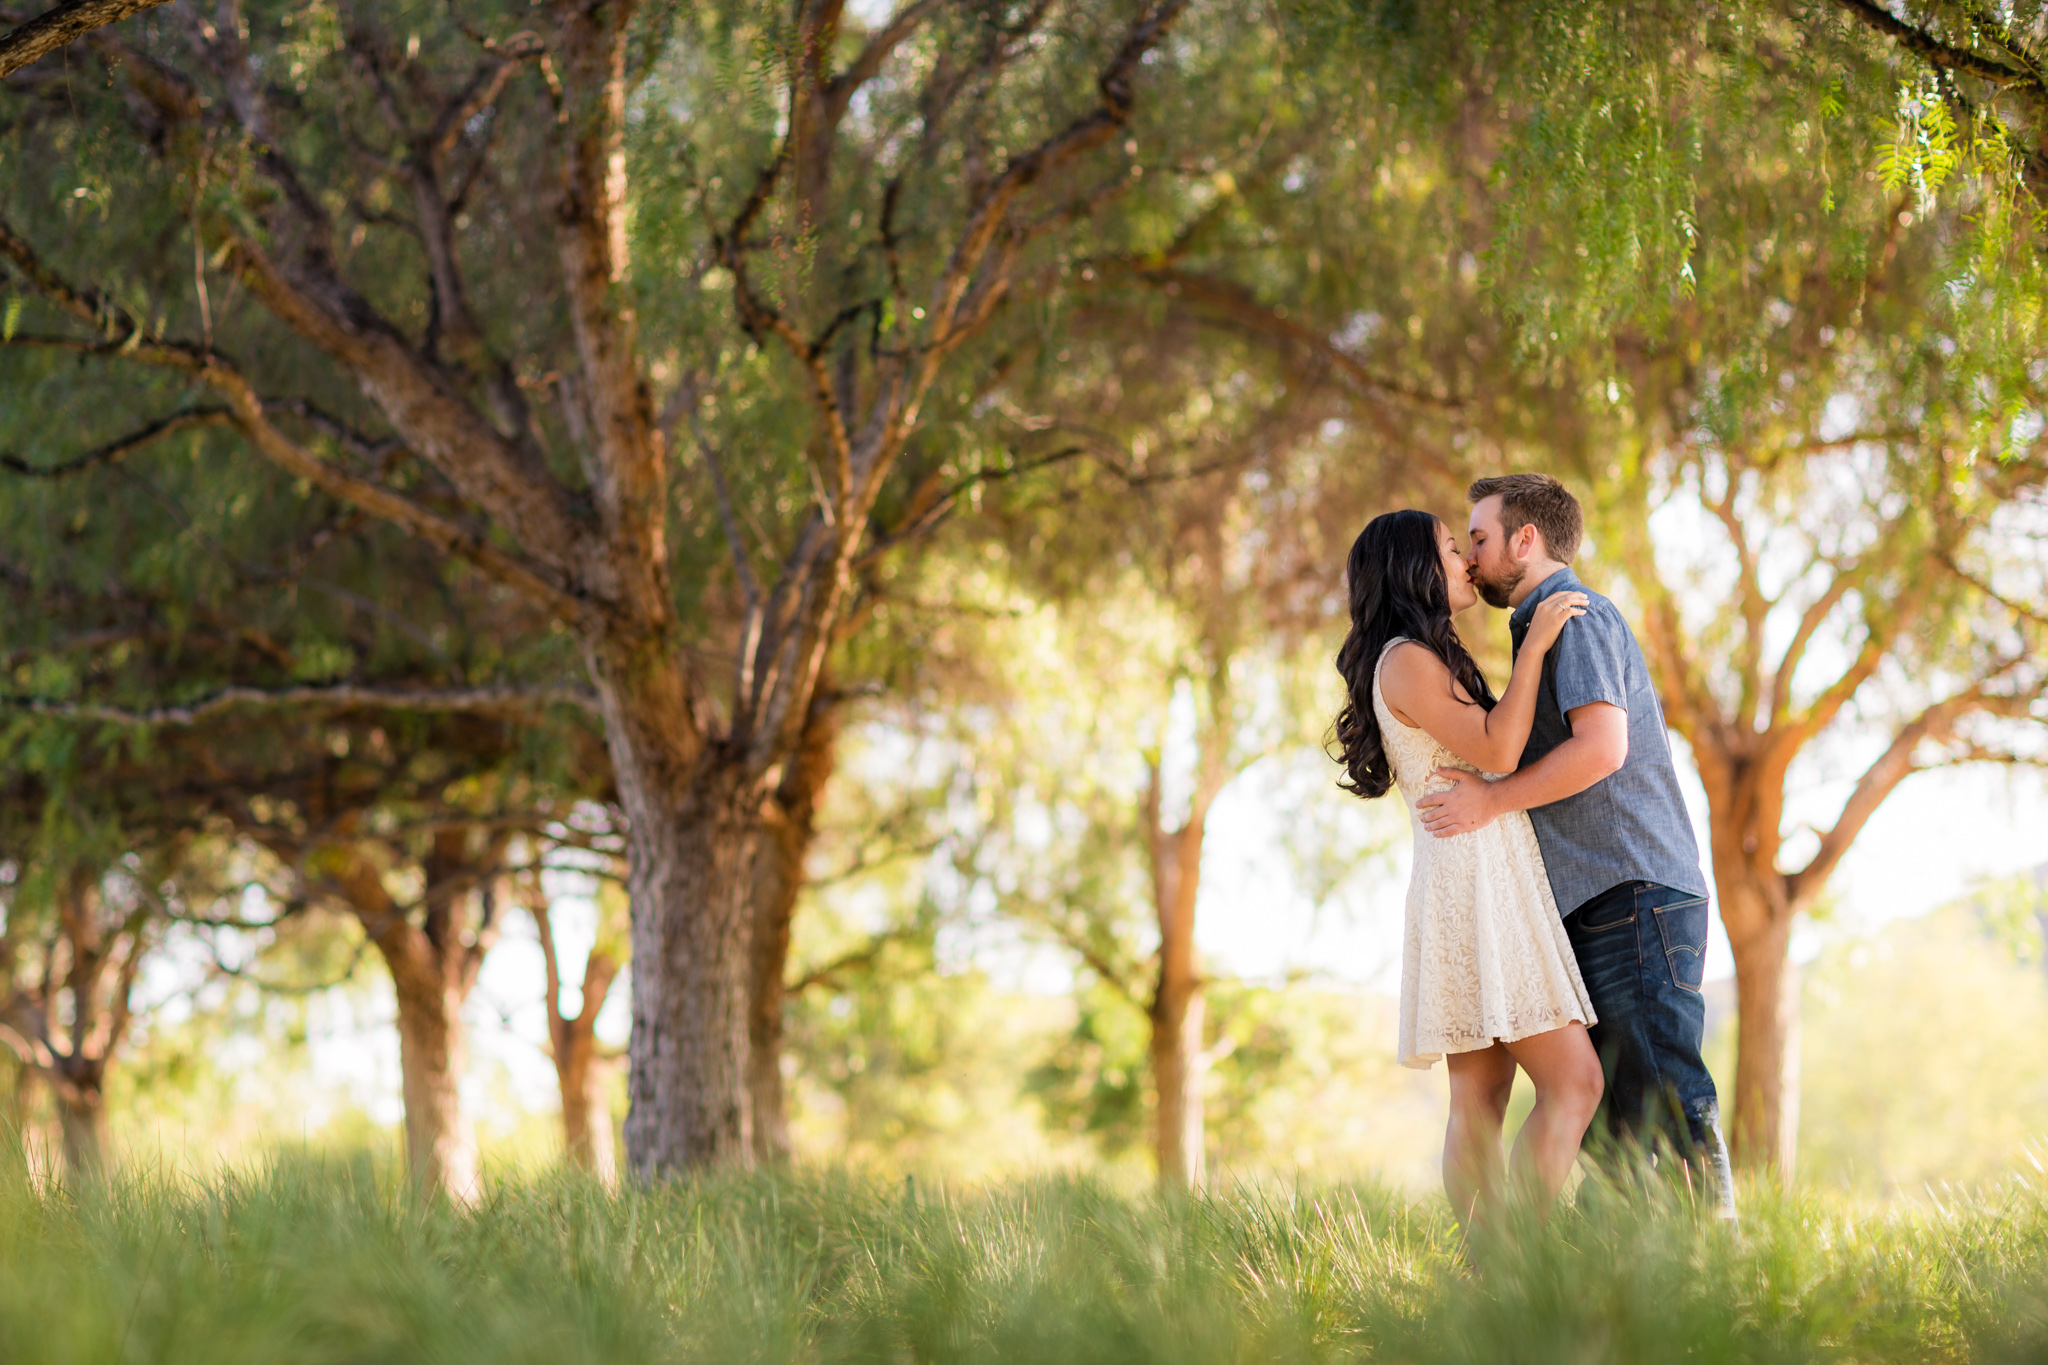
x=859 y=957
x=2019 y=609
x=61 y=25
x=1688 y=703
x=840 y=90
x=124 y=336
x=339 y=696
x=1809 y=624
x=1228 y=299
x=347 y=973
x=293 y=272
x=1936 y=723
x=1931 y=49
x=123 y=446
x=434 y=213
x=1879 y=637
x=1755 y=607
x=1089 y=130
x=1109 y=973
x=629 y=463
x=121 y=1005
x=968 y=288
x=924 y=516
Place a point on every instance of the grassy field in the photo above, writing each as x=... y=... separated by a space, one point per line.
x=330 y=1262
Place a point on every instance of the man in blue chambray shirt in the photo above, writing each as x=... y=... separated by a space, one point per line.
x=1598 y=783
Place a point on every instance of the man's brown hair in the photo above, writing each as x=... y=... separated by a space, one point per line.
x=1535 y=500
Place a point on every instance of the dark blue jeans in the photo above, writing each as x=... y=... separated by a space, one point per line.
x=1642 y=949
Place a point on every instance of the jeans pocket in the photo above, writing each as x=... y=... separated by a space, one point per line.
x=1683 y=928
x=1598 y=918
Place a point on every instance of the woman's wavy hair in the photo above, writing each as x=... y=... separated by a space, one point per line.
x=1396 y=577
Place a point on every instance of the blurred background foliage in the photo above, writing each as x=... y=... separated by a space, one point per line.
x=1763 y=283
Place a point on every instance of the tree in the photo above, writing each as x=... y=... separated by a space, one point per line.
x=434 y=960
x=1738 y=269
x=95 y=864
x=1863 y=603
x=780 y=876
x=1248 y=407
x=197 y=650
x=413 y=832
x=568 y=505
x=70 y=975
x=89 y=857
x=1087 y=908
x=582 y=1072
x=1191 y=593
x=1853 y=428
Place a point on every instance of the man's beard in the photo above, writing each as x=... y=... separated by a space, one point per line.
x=1496 y=592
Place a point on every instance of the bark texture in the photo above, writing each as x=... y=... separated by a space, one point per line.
x=583 y=1078
x=693 y=925
x=1179 y=1074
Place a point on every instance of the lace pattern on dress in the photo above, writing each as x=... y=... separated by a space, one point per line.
x=1485 y=957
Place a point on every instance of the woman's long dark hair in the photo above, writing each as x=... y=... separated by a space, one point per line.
x=1396 y=577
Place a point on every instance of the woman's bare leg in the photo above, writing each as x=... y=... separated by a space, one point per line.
x=1566 y=1073
x=1480 y=1084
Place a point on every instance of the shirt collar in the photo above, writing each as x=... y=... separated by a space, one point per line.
x=1564 y=580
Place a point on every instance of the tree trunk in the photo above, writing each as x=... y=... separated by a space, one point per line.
x=433 y=1047
x=586 y=1106
x=778 y=881
x=692 y=892
x=580 y=1073
x=1766 y=1115
x=1177 y=1011
x=82 y=1118
x=433 y=967
x=1179 y=1069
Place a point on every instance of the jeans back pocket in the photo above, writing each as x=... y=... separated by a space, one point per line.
x=1683 y=928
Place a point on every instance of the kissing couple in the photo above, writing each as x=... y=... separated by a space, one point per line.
x=1557 y=918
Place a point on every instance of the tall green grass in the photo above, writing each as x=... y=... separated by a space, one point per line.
x=310 y=1261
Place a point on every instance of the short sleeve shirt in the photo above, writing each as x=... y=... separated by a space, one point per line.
x=1632 y=824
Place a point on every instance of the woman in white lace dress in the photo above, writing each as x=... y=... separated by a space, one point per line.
x=1488 y=980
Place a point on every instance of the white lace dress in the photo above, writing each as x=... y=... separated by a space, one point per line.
x=1486 y=958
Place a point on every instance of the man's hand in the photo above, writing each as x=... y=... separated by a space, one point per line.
x=1462 y=809
x=1598 y=746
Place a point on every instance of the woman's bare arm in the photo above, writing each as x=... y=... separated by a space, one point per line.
x=1420 y=691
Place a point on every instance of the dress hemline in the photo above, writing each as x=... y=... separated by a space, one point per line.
x=1426 y=1061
